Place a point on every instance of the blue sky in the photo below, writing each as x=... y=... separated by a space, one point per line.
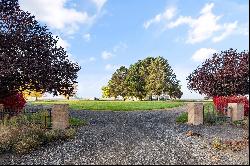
x=102 y=35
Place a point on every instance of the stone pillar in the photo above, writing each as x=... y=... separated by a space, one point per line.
x=60 y=116
x=195 y=113
x=235 y=111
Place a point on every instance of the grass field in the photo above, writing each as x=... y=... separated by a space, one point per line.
x=113 y=105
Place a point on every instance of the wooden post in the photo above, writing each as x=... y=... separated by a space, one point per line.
x=60 y=116
x=195 y=113
x=236 y=111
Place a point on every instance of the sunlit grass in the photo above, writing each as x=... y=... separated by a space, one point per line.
x=114 y=105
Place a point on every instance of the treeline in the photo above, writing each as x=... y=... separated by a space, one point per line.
x=152 y=76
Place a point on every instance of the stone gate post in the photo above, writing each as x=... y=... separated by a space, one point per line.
x=60 y=116
x=235 y=111
x=195 y=113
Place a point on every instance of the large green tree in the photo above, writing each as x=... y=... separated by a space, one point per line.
x=29 y=56
x=117 y=85
x=161 y=79
x=135 y=81
x=151 y=76
x=175 y=91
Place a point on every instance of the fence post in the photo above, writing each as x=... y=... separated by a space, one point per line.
x=195 y=113
x=60 y=116
x=236 y=111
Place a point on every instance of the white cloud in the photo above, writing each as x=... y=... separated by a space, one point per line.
x=207 y=8
x=228 y=30
x=110 y=54
x=99 y=3
x=203 y=54
x=55 y=14
x=107 y=55
x=181 y=20
x=87 y=37
x=202 y=28
x=168 y=14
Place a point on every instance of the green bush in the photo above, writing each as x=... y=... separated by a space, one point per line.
x=182 y=118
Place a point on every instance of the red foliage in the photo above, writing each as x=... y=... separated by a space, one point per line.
x=15 y=102
x=221 y=102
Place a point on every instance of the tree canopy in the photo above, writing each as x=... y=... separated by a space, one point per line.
x=147 y=77
x=225 y=74
x=29 y=56
x=117 y=84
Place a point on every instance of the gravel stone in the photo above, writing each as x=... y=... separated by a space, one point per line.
x=133 y=138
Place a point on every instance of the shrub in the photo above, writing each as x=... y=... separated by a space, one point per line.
x=221 y=102
x=217 y=144
x=50 y=135
x=182 y=118
x=26 y=144
x=6 y=138
x=21 y=134
x=70 y=133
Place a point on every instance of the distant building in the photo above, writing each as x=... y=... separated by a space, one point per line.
x=161 y=97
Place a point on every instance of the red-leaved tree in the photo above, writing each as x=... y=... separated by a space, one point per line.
x=30 y=58
x=224 y=75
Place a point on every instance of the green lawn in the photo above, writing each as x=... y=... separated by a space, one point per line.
x=114 y=105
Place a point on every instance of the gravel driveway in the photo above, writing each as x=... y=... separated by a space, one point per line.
x=139 y=137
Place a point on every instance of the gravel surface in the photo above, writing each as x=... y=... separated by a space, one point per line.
x=139 y=137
